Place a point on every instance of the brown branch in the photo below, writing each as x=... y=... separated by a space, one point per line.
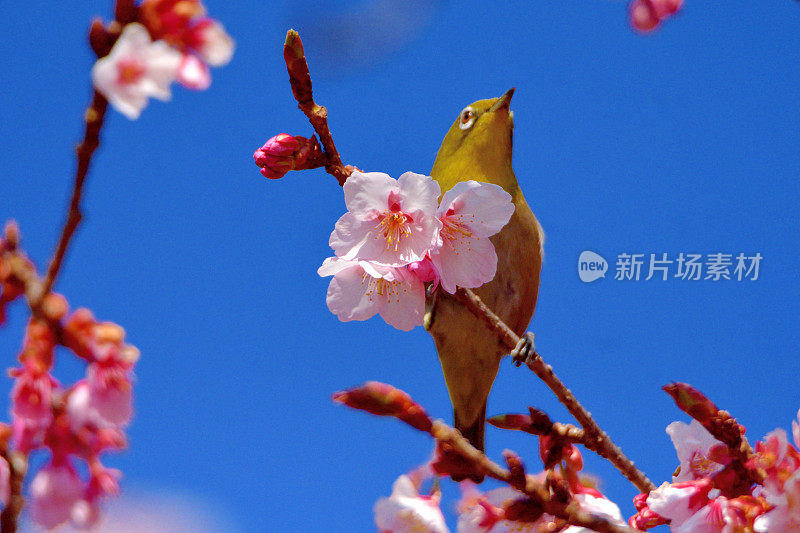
x=18 y=466
x=91 y=140
x=300 y=79
x=531 y=487
x=597 y=439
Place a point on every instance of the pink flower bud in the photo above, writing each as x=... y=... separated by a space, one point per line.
x=647 y=14
x=277 y=156
x=425 y=271
x=643 y=16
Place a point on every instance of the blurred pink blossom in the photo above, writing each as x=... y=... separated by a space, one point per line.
x=136 y=69
x=408 y=511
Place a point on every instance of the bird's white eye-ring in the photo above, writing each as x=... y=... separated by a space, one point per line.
x=467 y=118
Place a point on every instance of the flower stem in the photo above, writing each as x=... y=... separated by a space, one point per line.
x=91 y=140
x=300 y=79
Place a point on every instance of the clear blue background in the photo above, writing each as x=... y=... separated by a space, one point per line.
x=681 y=141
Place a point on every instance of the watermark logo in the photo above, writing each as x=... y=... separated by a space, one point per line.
x=718 y=266
x=591 y=266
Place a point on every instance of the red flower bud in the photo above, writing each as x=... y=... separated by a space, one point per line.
x=283 y=153
x=384 y=400
x=645 y=15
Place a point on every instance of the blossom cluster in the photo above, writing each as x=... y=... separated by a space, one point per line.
x=396 y=237
x=169 y=40
x=499 y=510
x=75 y=423
x=710 y=493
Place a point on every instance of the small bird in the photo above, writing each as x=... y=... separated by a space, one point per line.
x=478 y=147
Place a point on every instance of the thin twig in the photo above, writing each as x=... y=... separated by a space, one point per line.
x=18 y=466
x=300 y=79
x=599 y=440
x=571 y=511
x=91 y=140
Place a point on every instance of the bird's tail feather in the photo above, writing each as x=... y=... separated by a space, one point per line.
x=474 y=433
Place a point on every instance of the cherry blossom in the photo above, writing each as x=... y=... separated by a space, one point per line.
x=202 y=41
x=31 y=396
x=361 y=289
x=700 y=454
x=470 y=213
x=388 y=221
x=136 y=69
x=678 y=502
x=408 y=511
x=55 y=490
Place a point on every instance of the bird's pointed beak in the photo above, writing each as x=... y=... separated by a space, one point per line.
x=504 y=102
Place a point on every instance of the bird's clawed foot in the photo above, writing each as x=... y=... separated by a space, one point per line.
x=524 y=349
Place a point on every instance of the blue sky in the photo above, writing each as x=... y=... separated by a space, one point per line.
x=681 y=141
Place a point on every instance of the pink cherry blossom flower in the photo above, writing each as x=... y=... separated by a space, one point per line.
x=31 y=396
x=388 y=221
x=110 y=393
x=136 y=69
x=785 y=515
x=425 y=271
x=193 y=73
x=700 y=454
x=55 y=490
x=361 y=289
x=212 y=43
x=470 y=213
x=407 y=511
x=483 y=513
x=678 y=502
x=781 y=488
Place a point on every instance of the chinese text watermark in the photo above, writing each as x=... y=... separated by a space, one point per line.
x=717 y=266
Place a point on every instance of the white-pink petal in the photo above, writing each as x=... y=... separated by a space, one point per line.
x=597 y=506
x=488 y=205
x=347 y=296
x=361 y=289
x=55 y=490
x=406 y=511
x=365 y=193
x=193 y=73
x=136 y=69
x=469 y=263
x=420 y=193
x=675 y=503
x=692 y=442
x=217 y=46
x=470 y=213
x=388 y=221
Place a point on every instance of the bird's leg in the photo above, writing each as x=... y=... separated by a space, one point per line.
x=524 y=350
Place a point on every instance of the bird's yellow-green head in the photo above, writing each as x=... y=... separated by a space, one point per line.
x=478 y=146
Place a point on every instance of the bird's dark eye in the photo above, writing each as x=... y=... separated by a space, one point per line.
x=467 y=118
